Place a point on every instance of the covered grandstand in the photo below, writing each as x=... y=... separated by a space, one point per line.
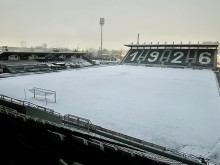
x=41 y=61
x=200 y=56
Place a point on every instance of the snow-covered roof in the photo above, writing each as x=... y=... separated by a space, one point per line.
x=215 y=45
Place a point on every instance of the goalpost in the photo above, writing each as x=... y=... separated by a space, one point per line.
x=43 y=92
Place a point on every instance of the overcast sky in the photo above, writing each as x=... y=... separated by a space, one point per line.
x=68 y=23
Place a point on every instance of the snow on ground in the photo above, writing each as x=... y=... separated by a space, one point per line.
x=175 y=108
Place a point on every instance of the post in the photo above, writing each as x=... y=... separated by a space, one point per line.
x=215 y=59
x=46 y=97
x=55 y=96
x=102 y=21
x=101 y=42
x=24 y=94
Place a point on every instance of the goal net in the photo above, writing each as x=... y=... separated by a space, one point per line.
x=43 y=92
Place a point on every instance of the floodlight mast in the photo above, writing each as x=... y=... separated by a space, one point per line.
x=102 y=21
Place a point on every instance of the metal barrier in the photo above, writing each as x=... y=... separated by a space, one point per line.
x=72 y=120
x=25 y=103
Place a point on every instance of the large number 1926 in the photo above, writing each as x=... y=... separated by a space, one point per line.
x=204 y=57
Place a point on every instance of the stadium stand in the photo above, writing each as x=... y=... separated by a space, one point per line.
x=198 y=56
x=22 y=66
x=32 y=134
x=44 y=61
x=77 y=62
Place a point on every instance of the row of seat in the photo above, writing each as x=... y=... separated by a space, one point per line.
x=42 y=66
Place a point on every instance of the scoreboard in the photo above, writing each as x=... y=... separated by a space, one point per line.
x=188 y=57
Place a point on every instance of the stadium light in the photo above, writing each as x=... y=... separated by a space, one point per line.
x=102 y=21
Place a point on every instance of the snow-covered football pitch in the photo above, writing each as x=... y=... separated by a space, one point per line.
x=175 y=108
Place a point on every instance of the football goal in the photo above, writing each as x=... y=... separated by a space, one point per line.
x=43 y=92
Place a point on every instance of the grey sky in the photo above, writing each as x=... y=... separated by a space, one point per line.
x=68 y=23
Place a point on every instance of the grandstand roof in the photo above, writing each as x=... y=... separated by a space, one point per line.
x=7 y=53
x=214 y=45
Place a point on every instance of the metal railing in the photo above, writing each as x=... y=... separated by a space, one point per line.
x=72 y=120
x=26 y=103
x=193 y=157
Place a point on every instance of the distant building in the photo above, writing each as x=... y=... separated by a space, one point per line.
x=23 y=44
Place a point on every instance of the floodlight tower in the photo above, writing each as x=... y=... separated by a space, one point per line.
x=102 y=21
